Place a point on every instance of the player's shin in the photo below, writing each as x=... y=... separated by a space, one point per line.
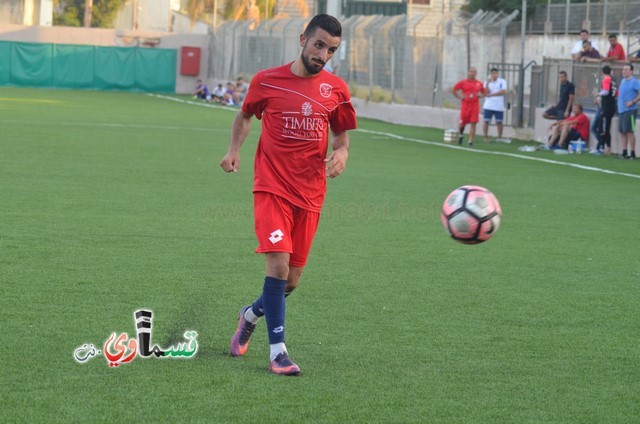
x=274 y=311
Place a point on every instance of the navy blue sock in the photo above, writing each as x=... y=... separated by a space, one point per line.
x=258 y=308
x=274 y=308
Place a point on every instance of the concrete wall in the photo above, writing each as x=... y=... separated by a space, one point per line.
x=112 y=37
x=423 y=116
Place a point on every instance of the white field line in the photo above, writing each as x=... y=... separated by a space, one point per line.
x=513 y=155
x=114 y=125
x=438 y=144
x=189 y=102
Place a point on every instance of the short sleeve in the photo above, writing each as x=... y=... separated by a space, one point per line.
x=343 y=118
x=255 y=102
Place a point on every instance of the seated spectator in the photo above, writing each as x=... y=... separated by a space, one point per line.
x=575 y=127
x=577 y=48
x=562 y=109
x=227 y=97
x=201 y=91
x=240 y=91
x=588 y=53
x=616 y=51
x=218 y=93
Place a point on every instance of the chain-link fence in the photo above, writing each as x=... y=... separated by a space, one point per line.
x=381 y=57
x=568 y=18
x=586 y=78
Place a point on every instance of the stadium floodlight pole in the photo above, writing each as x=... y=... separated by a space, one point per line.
x=521 y=82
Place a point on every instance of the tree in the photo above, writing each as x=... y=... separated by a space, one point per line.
x=230 y=9
x=71 y=12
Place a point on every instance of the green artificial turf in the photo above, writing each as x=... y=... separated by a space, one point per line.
x=112 y=202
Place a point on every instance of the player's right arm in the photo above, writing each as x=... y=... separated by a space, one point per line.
x=239 y=131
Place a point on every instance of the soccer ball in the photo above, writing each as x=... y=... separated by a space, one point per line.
x=471 y=214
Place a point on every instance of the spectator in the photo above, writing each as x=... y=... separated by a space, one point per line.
x=588 y=53
x=628 y=98
x=577 y=48
x=575 y=127
x=240 y=91
x=635 y=58
x=616 y=52
x=201 y=91
x=227 y=97
x=218 y=93
x=494 y=103
x=469 y=91
x=562 y=109
x=606 y=101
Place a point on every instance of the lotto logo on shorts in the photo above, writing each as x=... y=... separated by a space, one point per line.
x=276 y=236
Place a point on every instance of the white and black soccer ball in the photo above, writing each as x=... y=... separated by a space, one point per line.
x=471 y=214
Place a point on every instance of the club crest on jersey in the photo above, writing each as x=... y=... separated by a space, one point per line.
x=325 y=89
x=307 y=109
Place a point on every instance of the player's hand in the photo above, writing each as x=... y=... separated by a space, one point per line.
x=336 y=162
x=230 y=162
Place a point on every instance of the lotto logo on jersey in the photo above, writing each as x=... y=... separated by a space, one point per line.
x=276 y=236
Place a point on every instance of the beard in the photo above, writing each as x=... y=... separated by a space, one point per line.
x=311 y=66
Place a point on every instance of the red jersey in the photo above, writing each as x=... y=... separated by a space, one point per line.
x=470 y=89
x=617 y=50
x=296 y=115
x=581 y=125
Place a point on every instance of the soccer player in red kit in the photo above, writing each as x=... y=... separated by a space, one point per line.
x=298 y=104
x=470 y=91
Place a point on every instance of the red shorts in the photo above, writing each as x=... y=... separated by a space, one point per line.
x=469 y=113
x=283 y=227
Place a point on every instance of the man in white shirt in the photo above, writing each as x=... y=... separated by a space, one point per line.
x=494 y=103
x=577 y=48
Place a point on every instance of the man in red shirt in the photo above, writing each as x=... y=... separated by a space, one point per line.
x=575 y=127
x=616 y=51
x=298 y=104
x=469 y=91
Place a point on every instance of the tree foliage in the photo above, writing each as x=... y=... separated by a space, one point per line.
x=229 y=9
x=71 y=12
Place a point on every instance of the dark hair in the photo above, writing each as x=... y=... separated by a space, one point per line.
x=613 y=36
x=586 y=42
x=630 y=65
x=325 y=22
x=563 y=73
x=494 y=69
x=606 y=69
x=579 y=106
x=584 y=31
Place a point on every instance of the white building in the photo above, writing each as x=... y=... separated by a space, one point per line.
x=26 y=12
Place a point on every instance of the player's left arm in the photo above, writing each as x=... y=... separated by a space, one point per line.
x=337 y=159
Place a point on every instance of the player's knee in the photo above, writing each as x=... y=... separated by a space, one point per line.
x=278 y=266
